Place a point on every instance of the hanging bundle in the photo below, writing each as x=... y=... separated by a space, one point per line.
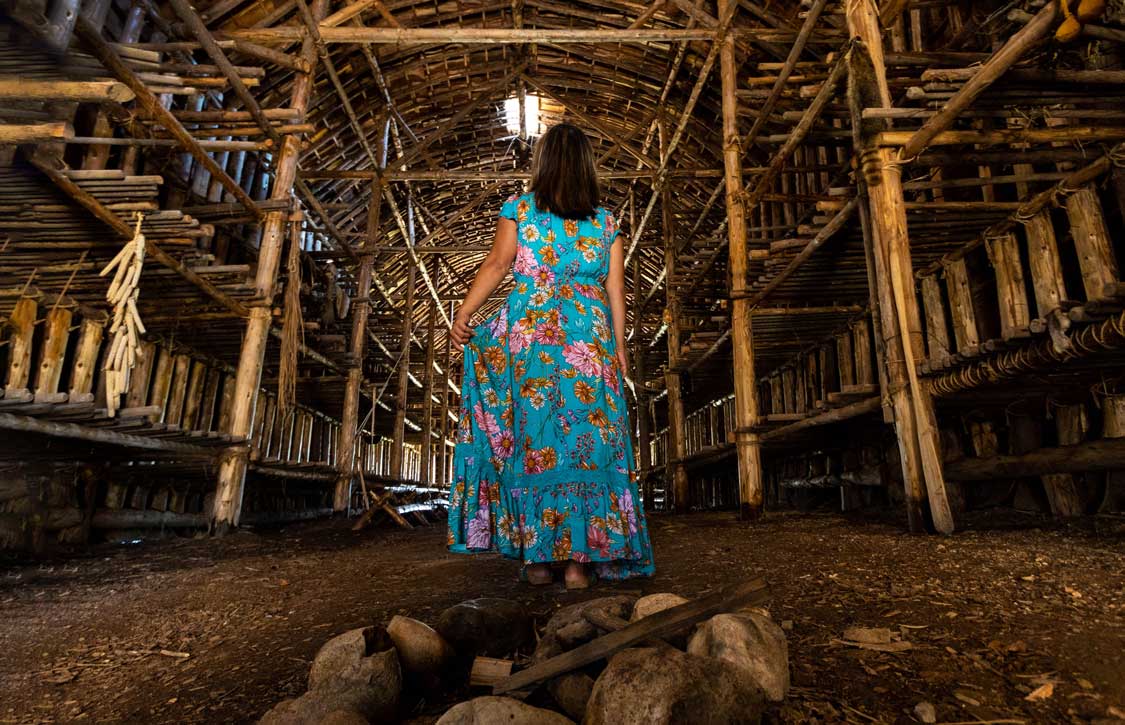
x=292 y=325
x=1071 y=27
x=127 y=327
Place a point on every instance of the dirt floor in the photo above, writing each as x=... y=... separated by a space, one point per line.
x=1007 y=624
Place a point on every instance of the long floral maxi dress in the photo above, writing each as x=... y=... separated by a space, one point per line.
x=543 y=469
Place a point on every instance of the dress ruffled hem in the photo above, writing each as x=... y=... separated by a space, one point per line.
x=562 y=516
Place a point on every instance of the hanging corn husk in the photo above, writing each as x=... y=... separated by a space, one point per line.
x=292 y=324
x=126 y=328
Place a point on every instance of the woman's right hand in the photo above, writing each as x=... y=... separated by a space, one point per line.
x=461 y=332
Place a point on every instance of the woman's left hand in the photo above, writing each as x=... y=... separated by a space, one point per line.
x=623 y=362
x=462 y=332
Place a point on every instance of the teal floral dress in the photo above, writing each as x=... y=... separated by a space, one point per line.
x=543 y=469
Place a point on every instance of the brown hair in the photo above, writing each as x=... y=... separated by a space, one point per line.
x=564 y=178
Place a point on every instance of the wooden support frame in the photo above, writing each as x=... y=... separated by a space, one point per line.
x=965 y=331
x=398 y=453
x=1046 y=267
x=227 y=509
x=497 y=36
x=425 y=471
x=1092 y=242
x=22 y=323
x=915 y=422
x=747 y=443
x=677 y=445
x=1015 y=315
x=361 y=309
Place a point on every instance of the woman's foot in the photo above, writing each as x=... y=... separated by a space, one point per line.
x=538 y=575
x=576 y=576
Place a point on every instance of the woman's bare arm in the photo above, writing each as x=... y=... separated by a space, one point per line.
x=491 y=273
x=615 y=288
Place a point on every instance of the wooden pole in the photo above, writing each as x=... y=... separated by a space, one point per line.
x=27 y=424
x=677 y=479
x=22 y=324
x=677 y=447
x=747 y=443
x=1106 y=454
x=361 y=309
x=428 y=400
x=495 y=36
x=443 y=455
x=915 y=422
x=233 y=461
x=644 y=432
x=398 y=445
x=29 y=89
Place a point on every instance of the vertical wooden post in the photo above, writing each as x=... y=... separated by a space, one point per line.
x=1062 y=488
x=827 y=361
x=210 y=394
x=915 y=422
x=845 y=359
x=861 y=346
x=1015 y=318
x=644 y=430
x=1092 y=242
x=194 y=397
x=22 y=322
x=173 y=414
x=361 y=309
x=56 y=334
x=227 y=508
x=398 y=452
x=443 y=457
x=677 y=446
x=742 y=344
x=800 y=387
x=1046 y=268
x=262 y=428
x=86 y=359
x=161 y=383
x=428 y=400
x=937 y=333
x=965 y=331
x=141 y=374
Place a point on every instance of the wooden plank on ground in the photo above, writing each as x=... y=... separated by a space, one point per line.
x=661 y=624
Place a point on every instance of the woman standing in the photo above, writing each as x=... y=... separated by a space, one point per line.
x=543 y=470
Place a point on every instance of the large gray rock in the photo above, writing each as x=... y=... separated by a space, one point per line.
x=750 y=641
x=570 y=627
x=572 y=693
x=488 y=626
x=662 y=686
x=312 y=709
x=421 y=650
x=498 y=710
x=359 y=670
x=654 y=603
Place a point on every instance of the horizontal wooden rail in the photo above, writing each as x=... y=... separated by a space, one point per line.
x=25 y=424
x=502 y=36
x=1101 y=455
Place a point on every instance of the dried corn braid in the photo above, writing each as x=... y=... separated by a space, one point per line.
x=126 y=327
